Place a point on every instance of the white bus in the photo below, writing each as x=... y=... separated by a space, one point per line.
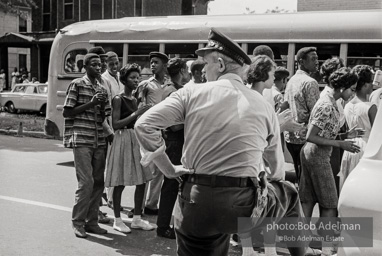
x=355 y=36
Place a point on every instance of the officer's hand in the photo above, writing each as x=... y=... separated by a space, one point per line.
x=179 y=171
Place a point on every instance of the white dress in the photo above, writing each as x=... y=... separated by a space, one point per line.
x=355 y=114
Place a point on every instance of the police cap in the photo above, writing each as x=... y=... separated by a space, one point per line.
x=219 y=42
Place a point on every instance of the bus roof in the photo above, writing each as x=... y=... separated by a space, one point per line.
x=330 y=26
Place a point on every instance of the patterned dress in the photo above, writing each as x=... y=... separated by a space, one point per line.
x=317 y=182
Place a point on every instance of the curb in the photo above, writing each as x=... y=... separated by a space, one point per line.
x=33 y=134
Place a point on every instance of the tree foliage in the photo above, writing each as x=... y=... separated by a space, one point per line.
x=12 y=6
x=277 y=10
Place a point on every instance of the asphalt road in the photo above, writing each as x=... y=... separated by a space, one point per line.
x=36 y=198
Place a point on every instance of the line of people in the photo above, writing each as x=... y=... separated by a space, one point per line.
x=218 y=137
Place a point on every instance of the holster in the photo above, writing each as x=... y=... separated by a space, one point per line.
x=261 y=196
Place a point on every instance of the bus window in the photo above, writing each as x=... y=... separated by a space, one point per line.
x=365 y=54
x=182 y=50
x=279 y=50
x=324 y=52
x=139 y=53
x=74 y=61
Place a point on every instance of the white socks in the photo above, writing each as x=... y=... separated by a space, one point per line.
x=120 y=226
x=136 y=217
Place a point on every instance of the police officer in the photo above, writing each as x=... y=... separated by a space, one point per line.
x=228 y=130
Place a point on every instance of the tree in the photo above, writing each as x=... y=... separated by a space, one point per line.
x=12 y=6
x=278 y=10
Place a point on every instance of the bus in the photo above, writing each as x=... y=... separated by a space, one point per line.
x=355 y=36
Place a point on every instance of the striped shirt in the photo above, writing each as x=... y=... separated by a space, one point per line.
x=84 y=129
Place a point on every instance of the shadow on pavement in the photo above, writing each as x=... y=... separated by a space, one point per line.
x=68 y=164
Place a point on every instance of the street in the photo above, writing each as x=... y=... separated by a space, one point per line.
x=36 y=199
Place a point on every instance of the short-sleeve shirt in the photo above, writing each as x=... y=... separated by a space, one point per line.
x=228 y=129
x=325 y=115
x=84 y=129
x=302 y=93
x=153 y=90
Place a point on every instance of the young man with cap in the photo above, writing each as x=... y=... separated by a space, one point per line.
x=228 y=130
x=302 y=93
x=151 y=92
x=85 y=108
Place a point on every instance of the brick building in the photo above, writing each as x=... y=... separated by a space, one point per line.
x=333 y=5
x=52 y=15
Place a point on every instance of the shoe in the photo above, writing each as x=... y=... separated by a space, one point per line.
x=95 y=230
x=102 y=218
x=166 y=232
x=80 y=232
x=149 y=211
x=141 y=224
x=121 y=227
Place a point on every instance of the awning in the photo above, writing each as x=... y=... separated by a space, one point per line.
x=17 y=40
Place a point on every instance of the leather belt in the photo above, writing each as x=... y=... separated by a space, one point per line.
x=221 y=181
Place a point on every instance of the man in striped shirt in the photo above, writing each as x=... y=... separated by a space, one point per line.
x=85 y=108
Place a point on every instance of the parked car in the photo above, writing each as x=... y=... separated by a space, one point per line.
x=29 y=96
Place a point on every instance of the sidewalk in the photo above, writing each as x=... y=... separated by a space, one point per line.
x=22 y=133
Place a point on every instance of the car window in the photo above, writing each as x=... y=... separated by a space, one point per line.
x=43 y=89
x=19 y=89
x=73 y=61
x=30 y=90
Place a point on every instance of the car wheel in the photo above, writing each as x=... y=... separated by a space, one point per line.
x=43 y=110
x=10 y=107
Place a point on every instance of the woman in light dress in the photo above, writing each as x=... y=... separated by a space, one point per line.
x=123 y=157
x=359 y=113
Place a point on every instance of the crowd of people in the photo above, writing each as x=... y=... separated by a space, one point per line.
x=207 y=141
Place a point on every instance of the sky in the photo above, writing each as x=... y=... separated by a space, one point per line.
x=217 y=7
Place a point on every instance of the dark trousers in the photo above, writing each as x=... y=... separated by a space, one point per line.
x=294 y=150
x=170 y=187
x=90 y=165
x=206 y=216
x=168 y=196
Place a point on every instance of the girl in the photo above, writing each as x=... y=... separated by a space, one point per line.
x=123 y=159
x=360 y=113
x=317 y=183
